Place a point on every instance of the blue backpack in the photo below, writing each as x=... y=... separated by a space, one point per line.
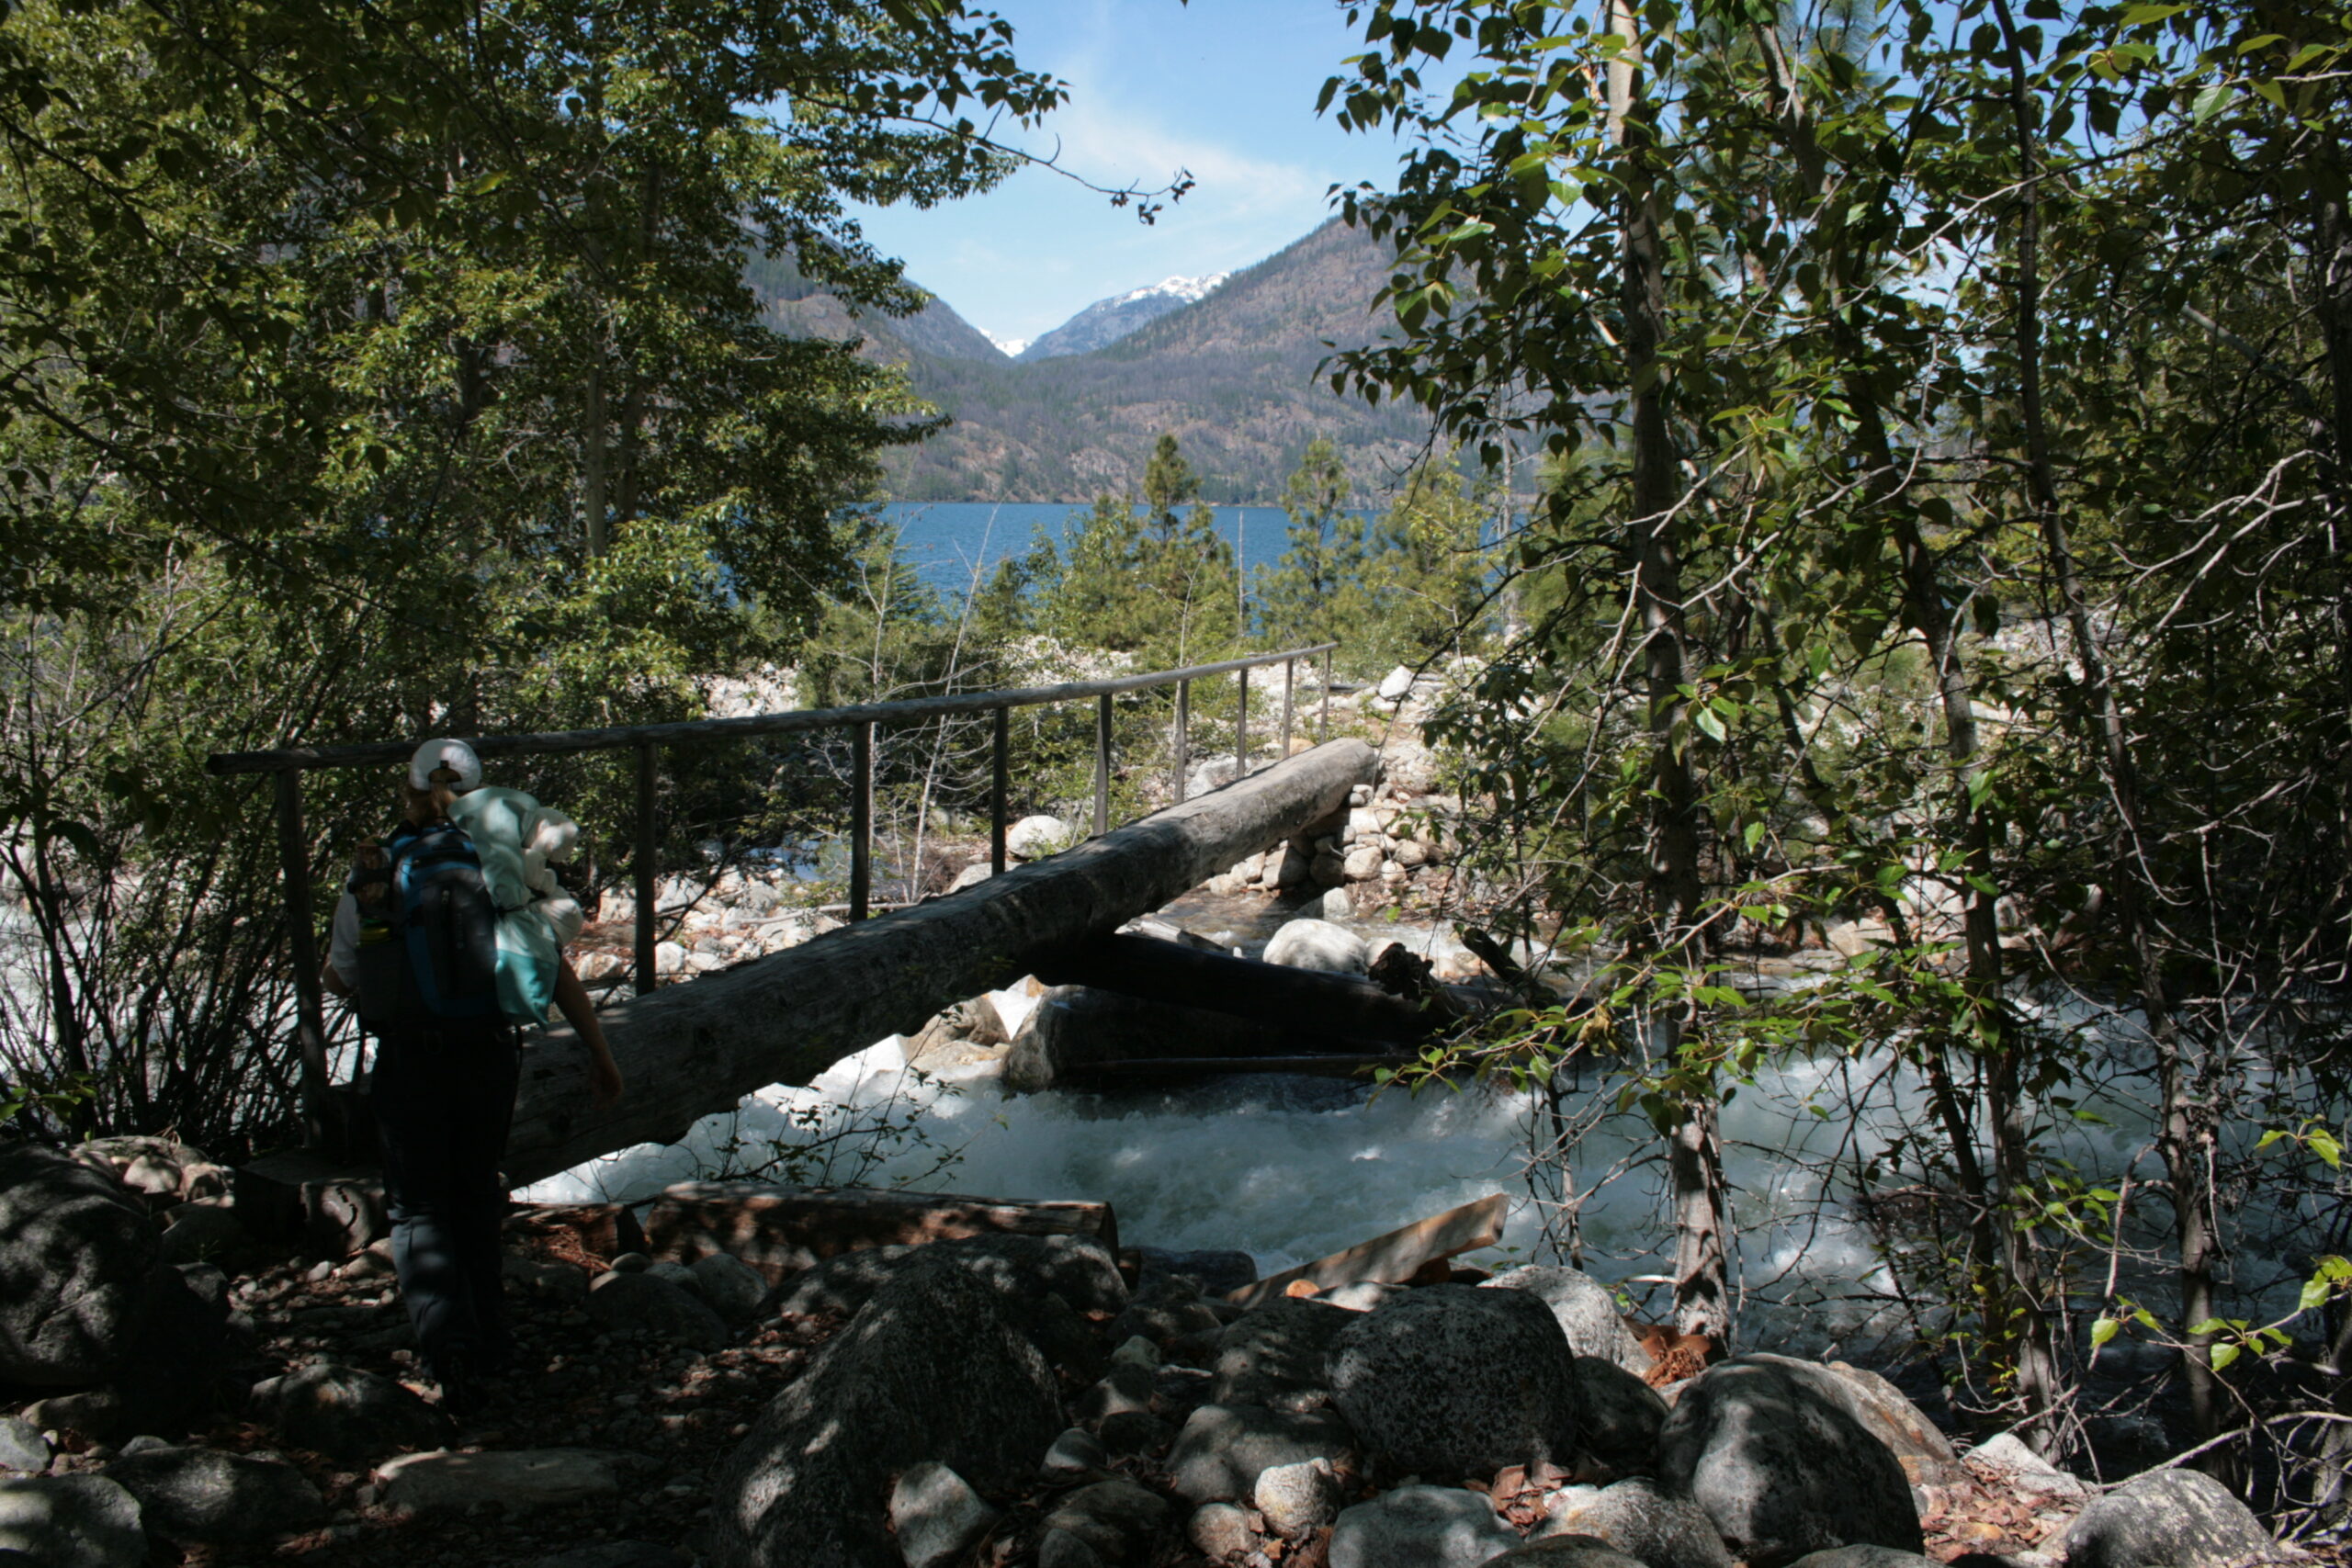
x=432 y=951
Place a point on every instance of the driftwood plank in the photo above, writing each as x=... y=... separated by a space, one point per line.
x=782 y=1230
x=691 y=1049
x=1393 y=1258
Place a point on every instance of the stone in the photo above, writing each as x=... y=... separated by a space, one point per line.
x=1638 y=1519
x=1123 y=1388
x=936 y=1516
x=443 y=1483
x=1585 y=1309
x=1116 y=1518
x=1213 y=1271
x=1330 y=868
x=1034 y=837
x=1293 y=869
x=1298 y=1499
x=1567 y=1551
x=1411 y=854
x=679 y=1275
x=547 y=1280
x=1136 y=1352
x=2175 y=1518
x=2018 y=1467
x=1133 y=1434
x=70 y=1521
x=631 y=1263
x=1076 y=1453
x=1421 y=1527
x=1455 y=1381
x=730 y=1287
x=1926 y=1454
x=669 y=958
x=1319 y=946
x=76 y=1253
x=1278 y=1356
x=201 y=1497
x=1620 y=1416
x=1219 y=1530
x=1780 y=1467
x=1224 y=1448
x=348 y=1414
x=1394 y=686
x=647 y=1303
x=1362 y=862
x=1335 y=904
x=1865 y=1556
x=971 y=876
x=22 y=1448
x=195 y=1232
x=1074 y=1028
x=95 y=1413
x=613 y=1554
x=1168 y=1309
x=933 y=1367
x=181 y=1351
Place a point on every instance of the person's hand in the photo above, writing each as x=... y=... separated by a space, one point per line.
x=604 y=1080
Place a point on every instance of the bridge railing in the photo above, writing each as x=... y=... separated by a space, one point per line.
x=287 y=765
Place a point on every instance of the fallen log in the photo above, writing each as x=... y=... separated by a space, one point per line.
x=782 y=1230
x=1330 y=1064
x=688 y=1050
x=1393 y=1258
x=1308 y=1001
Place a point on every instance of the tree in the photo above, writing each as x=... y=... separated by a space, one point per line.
x=1318 y=592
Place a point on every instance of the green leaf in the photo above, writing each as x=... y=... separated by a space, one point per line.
x=2223 y=1355
x=2103 y=1330
x=2211 y=101
x=1709 y=723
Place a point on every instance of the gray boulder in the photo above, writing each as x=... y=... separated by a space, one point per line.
x=202 y=1496
x=348 y=1414
x=22 y=1448
x=1169 y=1308
x=730 y=1287
x=2175 y=1518
x=936 y=1515
x=931 y=1368
x=1076 y=1027
x=1619 y=1415
x=1926 y=1454
x=1780 y=1467
x=1214 y=1271
x=77 y=1251
x=1309 y=943
x=614 y=1555
x=1421 y=1527
x=1864 y=1557
x=1279 y=1354
x=1567 y=1551
x=1219 y=1530
x=1225 y=1448
x=647 y=1303
x=1638 y=1519
x=1585 y=1308
x=1454 y=1380
x=1296 y=1500
x=70 y=1521
x=1116 y=1519
x=1076 y=1453
x=1077 y=1268
x=1034 y=838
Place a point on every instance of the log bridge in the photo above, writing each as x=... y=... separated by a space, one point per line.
x=691 y=1049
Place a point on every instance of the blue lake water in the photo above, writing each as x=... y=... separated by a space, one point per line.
x=954 y=544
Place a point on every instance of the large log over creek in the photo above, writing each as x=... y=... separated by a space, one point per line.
x=689 y=1050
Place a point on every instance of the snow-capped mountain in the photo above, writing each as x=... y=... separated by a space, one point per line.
x=1107 y=321
x=1010 y=346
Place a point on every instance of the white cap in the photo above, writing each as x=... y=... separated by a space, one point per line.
x=455 y=755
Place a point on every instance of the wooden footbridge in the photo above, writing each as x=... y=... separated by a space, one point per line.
x=691 y=1049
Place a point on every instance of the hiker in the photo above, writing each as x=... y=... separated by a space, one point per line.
x=447 y=937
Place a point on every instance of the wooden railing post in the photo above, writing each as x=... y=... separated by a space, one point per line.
x=321 y=1127
x=1102 y=764
x=1241 y=729
x=1289 y=679
x=1000 y=787
x=646 y=872
x=861 y=820
x=1323 y=726
x=1184 y=735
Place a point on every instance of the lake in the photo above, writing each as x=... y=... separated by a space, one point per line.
x=955 y=543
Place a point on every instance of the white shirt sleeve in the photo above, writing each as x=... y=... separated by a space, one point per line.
x=343 y=938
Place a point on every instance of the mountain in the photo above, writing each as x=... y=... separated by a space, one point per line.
x=1232 y=374
x=1105 y=321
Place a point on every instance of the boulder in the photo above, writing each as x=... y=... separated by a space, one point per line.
x=1421 y=1527
x=1076 y=1027
x=2008 y=1460
x=614 y=1555
x=729 y=1287
x=936 y=1515
x=1335 y=904
x=448 y=1483
x=1319 y=946
x=1296 y=1500
x=348 y=1414
x=1166 y=1309
x=77 y=1251
x=22 y=1448
x=202 y=1496
x=1926 y=1454
x=1780 y=1467
x=1865 y=1556
x=1224 y=1448
x=1213 y=1271
x=1567 y=1551
x=70 y=1521
x=1362 y=862
x=1585 y=1309
x=1619 y=1416
x=1638 y=1519
x=197 y=1232
x=1396 y=685
x=1219 y=1530
x=931 y=1368
x=1116 y=1519
x=647 y=1303
x=1034 y=837
x=181 y=1351
x=1278 y=1356
x=1125 y=1389
x=1452 y=1381
x=2167 y=1519
x=1076 y=1453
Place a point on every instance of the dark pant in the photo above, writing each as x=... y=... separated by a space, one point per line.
x=443 y=1096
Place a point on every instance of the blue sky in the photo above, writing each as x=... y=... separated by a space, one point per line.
x=1225 y=88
